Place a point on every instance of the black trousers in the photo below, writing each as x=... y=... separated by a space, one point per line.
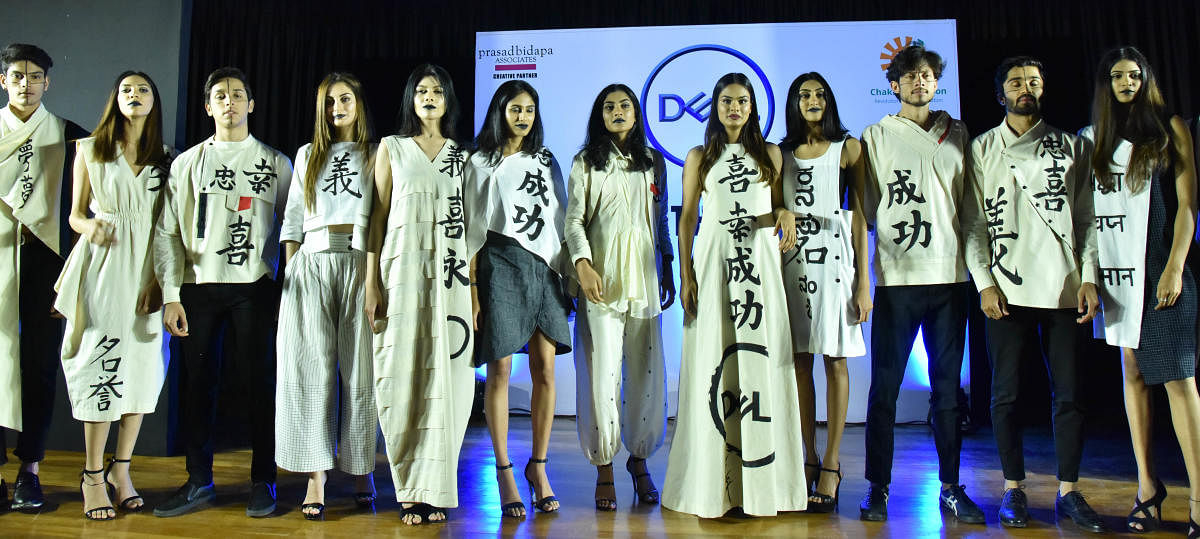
x=941 y=310
x=1006 y=338
x=41 y=344
x=248 y=312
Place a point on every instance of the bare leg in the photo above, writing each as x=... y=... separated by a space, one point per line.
x=495 y=406
x=130 y=426
x=1185 y=415
x=541 y=371
x=808 y=416
x=1138 y=412
x=606 y=495
x=95 y=493
x=837 y=398
x=316 y=491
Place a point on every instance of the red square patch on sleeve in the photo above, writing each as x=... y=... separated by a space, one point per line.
x=244 y=203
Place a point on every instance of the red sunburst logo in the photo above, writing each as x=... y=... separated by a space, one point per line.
x=891 y=48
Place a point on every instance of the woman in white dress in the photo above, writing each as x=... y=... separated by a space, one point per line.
x=324 y=398
x=617 y=235
x=112 y=349
x=419 y=298
x=517 y=198
x=827 y=274
x=735 y=444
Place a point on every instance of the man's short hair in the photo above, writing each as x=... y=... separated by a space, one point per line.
x=910 y=58
x=24 y=52
x=1016 y=61
x=223 y=73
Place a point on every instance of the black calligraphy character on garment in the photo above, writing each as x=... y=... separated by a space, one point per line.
x=342 y=178
x=532 y=219
x=105 y=389
x=1052 y=146
x=912 y=232
x=223 y=178
x=238 y=250
x=452 y=267
x=26 y=153
x=454 y=162
x=545 y=157
x=739 y=176
x=1056 y=189
x=903 y=191
x=804 y=187
x=738 y=225
x=534 y=185
x=746 y=312
x=453 y=223
x=158 y=179
x=993 y=209
x=262 y=176
x=740 y=268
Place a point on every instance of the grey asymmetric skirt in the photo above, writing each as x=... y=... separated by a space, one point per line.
x=518 y=293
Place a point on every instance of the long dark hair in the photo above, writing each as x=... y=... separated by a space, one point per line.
x=1143 y=122
x=495 y=132
x=751 y=137
x=798 y=128
x=323 y=138
x=110 y=131
x=598 y=144
x=407 y=120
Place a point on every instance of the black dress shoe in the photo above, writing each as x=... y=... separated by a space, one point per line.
x=1014 y=509
x=874 y=506
x=1073 y=505
x=188 y=498
x=27 y=493
x=262 y=499
x=954 y=500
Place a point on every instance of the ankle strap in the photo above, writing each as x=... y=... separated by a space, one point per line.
x=115 y=459
x=91 y=472
x=505 y=467
x=539 y=461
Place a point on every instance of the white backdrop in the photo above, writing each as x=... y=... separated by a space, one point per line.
x=673 y=68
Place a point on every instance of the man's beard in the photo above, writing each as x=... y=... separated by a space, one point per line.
x=1033 y=106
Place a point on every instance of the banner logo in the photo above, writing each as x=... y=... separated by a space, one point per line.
x=890 y=50
x=676 y=101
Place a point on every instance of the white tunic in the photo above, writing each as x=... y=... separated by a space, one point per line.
x=220 y=222
x=112 y=356
x=1031 y=230
x=343 y=196
x=915 y=188
x=1122 y=219
x=424 y=381
x=818 y=273
x=736 y=440
x=525 y=200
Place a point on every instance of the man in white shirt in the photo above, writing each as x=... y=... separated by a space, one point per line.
x=216 y=249
x=1031 y=250
x=36 y=152
x=916 y=175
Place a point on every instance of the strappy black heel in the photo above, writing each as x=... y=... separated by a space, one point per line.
x=510 y=509
x=823 y=503
x=605 y=504
x=543 y=504
x=95 y=513
x=365 y=499
x=1149 y=522
x=810 y=479
x=112 y=488
x=320 y=507
x=648 y=496
x=424 y=511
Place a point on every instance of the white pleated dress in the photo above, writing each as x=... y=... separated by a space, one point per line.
x=112 y=357
x=424 y=382
x=818 y=273
x=737 y=434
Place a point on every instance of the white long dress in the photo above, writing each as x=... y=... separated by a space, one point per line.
x=111 y=355
x=737 y=433
x=818 y=273
x=424 y=381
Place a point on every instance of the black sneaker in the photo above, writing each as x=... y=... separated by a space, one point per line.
x=1073 y=505
x=262 y=499
x=27 y=493
x=874 y=506
x=954 y=500
x=189 y=497
x=1014 y=508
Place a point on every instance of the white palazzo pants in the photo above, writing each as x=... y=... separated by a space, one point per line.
x=325 y=412
x=614 y=350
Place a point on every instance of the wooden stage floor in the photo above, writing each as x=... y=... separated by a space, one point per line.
x=1107 y=482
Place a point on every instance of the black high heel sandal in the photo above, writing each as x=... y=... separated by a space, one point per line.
x=810 y=480
x=1149 y=522
x=365 y=499
x=510 y=509
x=112 y=488
x=320 y=507
x=424 y=511
x=542 y=504
x=606 y=504
x=89 y=513
x=648 y=496
x=824 y=503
